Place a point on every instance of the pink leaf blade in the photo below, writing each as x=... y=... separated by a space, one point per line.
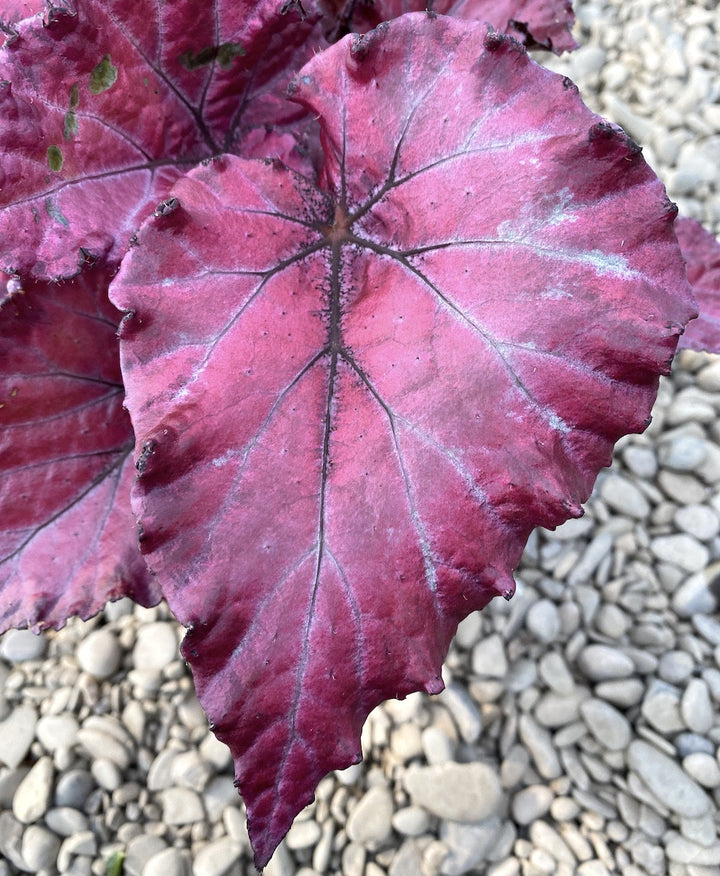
x=702 y=255
x=353 y=417
x=542 y=24
x=68 y=543
x=95 y=139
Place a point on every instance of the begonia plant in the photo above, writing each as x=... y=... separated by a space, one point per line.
x=379 y=294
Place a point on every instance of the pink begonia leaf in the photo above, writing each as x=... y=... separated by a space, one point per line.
x=100 y=112
x=68 y=541
x=545 y=24
x=12 y=11
x=355 y=402
x=702 y=254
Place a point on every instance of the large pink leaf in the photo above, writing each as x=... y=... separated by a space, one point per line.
x=12 y=11
x=102 y=111
x=702 y=254
x=545 y=24
x=68 y=541
x=355 y=402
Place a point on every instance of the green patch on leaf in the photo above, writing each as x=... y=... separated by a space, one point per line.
x=55 y=158
x=70 y=122
x=53 y=212
x=225 y=54
x=103 y=76
x=70 y=126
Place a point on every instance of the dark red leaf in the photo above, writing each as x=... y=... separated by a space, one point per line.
x=68 y=541
x=545 y=24
x=702 y=254
x=355 y=402
x=102 y=111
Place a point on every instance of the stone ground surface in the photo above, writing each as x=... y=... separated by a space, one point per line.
x=579 y=729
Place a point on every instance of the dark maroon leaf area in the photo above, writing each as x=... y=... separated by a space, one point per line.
x=100 y=113
x=68 y=542
x=702 y=254
x=352 y=416
x=543 y=24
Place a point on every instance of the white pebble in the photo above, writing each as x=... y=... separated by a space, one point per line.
x=609 y=726
x=602 y=663
x=624 y=497
x=100 y=654
x=683 y=551
x=456 y=792
x=370 y=820
x=32 y=797
x=667 y=780
x=696 y=707
x=531 y=803
x=20 y=645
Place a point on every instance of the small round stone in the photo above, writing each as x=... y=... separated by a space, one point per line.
x=100 y=654
x=20 y=645
x=531 y=803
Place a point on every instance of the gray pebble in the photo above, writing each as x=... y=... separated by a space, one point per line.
x=467 y=844
x=73 y=788
x=531 y=803
x=682 y=550
x=156 y=646
x=602 y=663
x=683 y=453
x=707 y=627
x=141 y=849
x=65 y=821
x=704 y=768
x=611 y=621
x=539 y=743
x=216 y=858
x=488 y=657
x=661 y=708
x=698 y=520
x=463 y=710
x=695 y=596
x=555 y=673
x=40 y=848
x=683 y=851
x=100 y=744
x=696 y=707
x=453 y=791
x=691 y=743
x=106 y=773
x=542 y=621
x=624 y=497
x=437 y=746
x=181 y=806
x=594 y=554
x=667 y=780
x=681 y=488
x=641 y=461
x=32 y=797
x=609 y=726
x=57 y=731
x=17 y=732
x=553 y=710
x=370 y=820
x=675 y=667
x=20 y=645
x=99 y=654
x=411 y=821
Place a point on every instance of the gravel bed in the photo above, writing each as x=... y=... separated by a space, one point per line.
x=578 y=732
